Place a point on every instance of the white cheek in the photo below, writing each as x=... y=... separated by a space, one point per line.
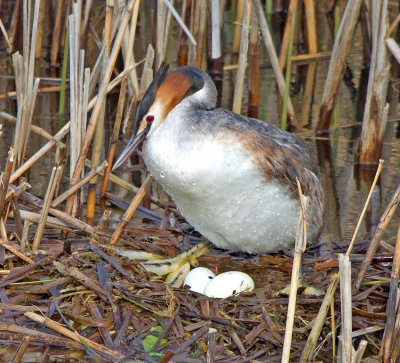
x=156 y=111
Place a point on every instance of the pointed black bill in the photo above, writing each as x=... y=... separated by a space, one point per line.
x=130 y=148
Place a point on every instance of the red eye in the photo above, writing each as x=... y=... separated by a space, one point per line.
x=149 y=118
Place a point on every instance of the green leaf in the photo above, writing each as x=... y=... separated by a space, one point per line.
x=150 y=339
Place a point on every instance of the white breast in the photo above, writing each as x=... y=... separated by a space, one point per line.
x=221 y=192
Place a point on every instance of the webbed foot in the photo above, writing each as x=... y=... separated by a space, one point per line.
x=176 y=268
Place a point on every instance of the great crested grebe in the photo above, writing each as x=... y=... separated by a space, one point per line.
x=232 y=177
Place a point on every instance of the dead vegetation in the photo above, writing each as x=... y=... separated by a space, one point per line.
x=67 y=294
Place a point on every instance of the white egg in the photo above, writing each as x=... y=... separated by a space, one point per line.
x=228 y=284
x=198 y=278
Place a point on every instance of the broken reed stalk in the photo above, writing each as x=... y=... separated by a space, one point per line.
x=55 y=179
x=77 y=91
x=51 y=324
x=312 y=66
x=4 y=31
x=38 y=46
x=288 y=57
x=37 y=203
x=274 y=59
x=238 y=29
x=242 y=61
x=43 y=150
x=394 y=48
x=101 y=96
x=254 y=68
x=200 y=21
x=14 y=26
x=317 y=327
x=383 y=223
x=57 y=201
x=15 y=251
x=337 y=64
x=286 y=34
x=51 y=222
x=391 y=330
x=301 y=242
x=346 y=306
x=56 y=33
x=376 y=109
x=132 y=208
x=308 y=350
x=60 y=134
x=215 y=62
x=4 y=181
x=183 y=51
x=121 y=102
x=23 y=346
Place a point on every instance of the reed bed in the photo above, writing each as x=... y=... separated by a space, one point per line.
x=65 y=288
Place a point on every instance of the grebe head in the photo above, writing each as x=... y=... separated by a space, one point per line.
x=187 y=86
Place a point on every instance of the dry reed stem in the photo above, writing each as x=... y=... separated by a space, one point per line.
x=394 y=25
x=311 y=342
x=56 y=33
x=43 y=150
x=4 y=181
x=238 y=31
x=14 y=24
x=394 y=48
x=180 y=21
x=51 y=324
x=17 y=253
x=301 y=242
x=333 y=325
x=57 y=201
x=346 y=306
x=254 y=69
x=122 y=96
x=307 y=354
x=132 y=208
x=51 y=222
x=383 y=223
x=37 y=203
x=244 y=46
x=49 y=89
x=23 y=346
x=389 y=334
x=378 y=172
x=286 y=34
x=337 y=63
x=101 y=95
x=5 y=35
x=376 y=109
x=58 y=137
x=280 y=80
x=55 y=178
x=36 y=129
x=82 y=278
x=312 y=67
